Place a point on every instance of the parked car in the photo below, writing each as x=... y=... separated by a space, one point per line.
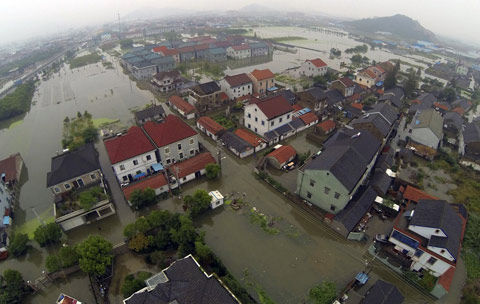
x=289 y=166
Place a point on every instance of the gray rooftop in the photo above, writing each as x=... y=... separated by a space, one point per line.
x=230 y=139
x=431 y=119
x=351 y=215
x=383 y=293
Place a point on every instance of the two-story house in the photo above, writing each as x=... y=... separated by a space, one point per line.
x=74 y=169
x=344 y=85
x=205 y=93
x=366 y=78
x=236 y=86
x=167 y=52
x=259 y=49
x=430 y=233
x=167 y=81
x=163 y=64
x=174 y=139
x=239 y=51
x=379 y=121
x=330 y=180
x=268 y=114
x=426 y=129
x=152 y=113
x=262 y=80
x=131 y=154
x=313 y=67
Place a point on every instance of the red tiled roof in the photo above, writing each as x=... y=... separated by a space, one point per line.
x=202 y=46
x=211 y=125
x=327 y=125
x=379 y=68
x=283 y=154
x=223 y=43
x=308 y=118
x=9 y=167
x=199 y=38
x=441 y=106
x=186 y=49
x=459 y=110
x=318 y=62
x=446 y=279
x=171 y=130
x=181 y=104
x=249 y=137
x=223 y=96
x=357 y=105
x=274 y=106
x=296 y=107
x=128 y=145
x=192 y=165
x=241 y=47
x=370 y=73
x=347 y=82
x=152 y=182
x=238 y=80
x=165 y=51
x=415 y=195
x=262 y=74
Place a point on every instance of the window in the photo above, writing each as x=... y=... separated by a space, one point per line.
x=135 y=162
x=138 y=172
x=168 y=160
x=167 y=150
x=309 y=195
x=280 y=119
x=249 y=126
x=256 y=119
x=263 y=122
x=125 y=178
x=57 y=189
x=326 y=190
x=255 y=129
x=149 y=157
x=67 y=186
x=312 y=183
x=418 y=253
x=288 y=116
x=93 y=176
x=332 y=207
x=192 y=141
x=337 y=195
x=181 y=155
x=122 y=167
x=192 y=152
x=272 y=123
x=431 y=260
x=249 y=115
x=179 y=146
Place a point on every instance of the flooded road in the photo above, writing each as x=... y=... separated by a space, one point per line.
x=286 y=264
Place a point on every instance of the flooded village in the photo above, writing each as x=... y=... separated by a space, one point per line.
x=258 y=153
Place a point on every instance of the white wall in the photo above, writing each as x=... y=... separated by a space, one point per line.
x=426 y=232
x=130 y=168
x=254 y=122
x=309 y=69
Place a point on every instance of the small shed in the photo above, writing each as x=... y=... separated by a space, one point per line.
x=217 y=199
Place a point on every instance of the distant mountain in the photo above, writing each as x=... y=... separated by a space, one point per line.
x=399 y=25
x=153 y=13
x=258 y=9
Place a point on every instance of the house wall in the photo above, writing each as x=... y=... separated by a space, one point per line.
x=204 y=130
x=318 y=197
x=260 y=87
x=213 y=98
x=171 y=153
x=87 y=179
x=191 y=177
x=164 y=67
x=129 y=168
x=236 y=92
x=425 y=136
x=365 y=80
x=238 y=54
x=310 y=70
x=144 y=73
x=165 y=85
x=263 y=51
x=255 y=120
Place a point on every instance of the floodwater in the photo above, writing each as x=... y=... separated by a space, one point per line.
x=287 y=264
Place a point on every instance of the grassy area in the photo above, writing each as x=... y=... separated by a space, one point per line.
x=79 y=130
x=225 y=122
x=29 y=226
x=98 y=122
x=287 y=38
x=85 y=60
x=15 y=123
x=17 y=102
x=263 y=221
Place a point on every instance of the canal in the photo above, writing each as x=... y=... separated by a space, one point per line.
x=287 y=264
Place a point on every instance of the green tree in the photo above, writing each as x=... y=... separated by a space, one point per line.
x=448 y=94
x=140 y=242
x=185 y=236
x=90 y=134
x=130 y=230
x=48 y=234
x=18 y=244
x=131 y=285
x=198 y=203
x=95 y=255
x=325 y=293
x=142 y=225
x=53 y=263
x=212 y=170
x=68 y=255
x=411 y=83
x=140 y=198
x=13 y=288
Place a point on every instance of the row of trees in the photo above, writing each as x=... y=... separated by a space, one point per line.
x=18 y=102
x=44 y=235
x=358 y=49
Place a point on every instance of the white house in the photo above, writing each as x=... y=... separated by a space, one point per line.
x=131 y=155
x=217 y=199
x=313 y=67
x=430 y=233
x=264 y=115
x=236 y=86
x=239 y=51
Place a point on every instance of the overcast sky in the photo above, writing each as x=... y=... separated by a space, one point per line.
x=22 y=19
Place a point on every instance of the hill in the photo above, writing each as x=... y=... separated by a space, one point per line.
x=399 y=25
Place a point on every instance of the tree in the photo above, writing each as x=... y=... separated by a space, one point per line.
x=185 y=236
x=18 y=244
x=212 y=170
x=140 y=242
x=142 y=225
x=12 y=287
x=53 y=263
x=95 y=255
x=68 y=255
x=140 y=198
x=411 y=83
x=131 y=285
x=48 y=234
x=198 y=203
x=90 y=134
x=449 y=94
x=325 y=293
x=130 y=230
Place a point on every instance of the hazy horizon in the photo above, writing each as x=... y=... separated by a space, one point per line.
x=21 y=20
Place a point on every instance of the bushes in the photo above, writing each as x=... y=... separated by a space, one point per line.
x=18 y=244
x=325 y=293
x=13 y=288
x=95 y=255
x=48 y=234
x=141 y=198
x=133 y=283
x=212 y=170
x=264 y=176
x=197 y=203
x=66 y=257
x=18 y=102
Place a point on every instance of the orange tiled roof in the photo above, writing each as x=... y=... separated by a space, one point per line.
x=262 y=74
x=308 y=118
x=249 y=137
x=152 y=182
x=283 y=154
x=318 y=62
x=415 y=194
x=211 y=125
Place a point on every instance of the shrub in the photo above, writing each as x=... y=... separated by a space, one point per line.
x=18 y=244
x=48 y=234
